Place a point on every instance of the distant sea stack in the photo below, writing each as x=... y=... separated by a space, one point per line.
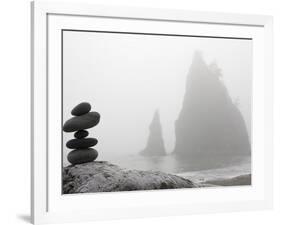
x=209 y=122
x=155 y=143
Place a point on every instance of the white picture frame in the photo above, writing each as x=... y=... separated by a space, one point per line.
x=47 y=203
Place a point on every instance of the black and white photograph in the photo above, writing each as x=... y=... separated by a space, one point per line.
x=149 y=111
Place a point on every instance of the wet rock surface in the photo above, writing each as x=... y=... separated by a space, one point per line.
x=101 y=176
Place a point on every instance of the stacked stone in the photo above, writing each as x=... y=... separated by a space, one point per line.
x=82 y=119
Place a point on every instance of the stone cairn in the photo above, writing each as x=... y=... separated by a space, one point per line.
x=82 y=119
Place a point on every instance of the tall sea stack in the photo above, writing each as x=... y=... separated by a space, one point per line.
x=155 y=142
x=209 y=122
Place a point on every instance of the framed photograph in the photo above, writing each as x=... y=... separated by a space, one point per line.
x=149 y=112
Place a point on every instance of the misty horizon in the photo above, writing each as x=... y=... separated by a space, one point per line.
x=127 y=78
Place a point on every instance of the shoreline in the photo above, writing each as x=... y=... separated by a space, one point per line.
x=244 y=179
x=237 y=180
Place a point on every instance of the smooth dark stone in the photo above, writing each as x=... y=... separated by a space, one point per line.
x=80 y=156
x=81 y=143
x=81 y=134
x=81 y=109
x=85 y=121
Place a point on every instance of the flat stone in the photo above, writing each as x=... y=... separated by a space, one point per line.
x=80 y=156
x=81 y=143
x=85 y=121
x=81 y=134
x=81 y=109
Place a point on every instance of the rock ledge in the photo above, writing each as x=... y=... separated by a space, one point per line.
x=101 y=176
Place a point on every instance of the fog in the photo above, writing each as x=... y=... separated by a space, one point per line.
x=127 y=77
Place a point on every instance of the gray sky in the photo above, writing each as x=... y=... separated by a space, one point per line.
x=127 y=77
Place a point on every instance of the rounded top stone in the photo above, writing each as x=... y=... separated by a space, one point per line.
x=85 y=121
x=81 y=109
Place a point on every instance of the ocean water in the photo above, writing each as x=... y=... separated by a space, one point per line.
x=196 y=168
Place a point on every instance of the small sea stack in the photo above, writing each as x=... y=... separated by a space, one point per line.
x=155 y=143
x=82 y=119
